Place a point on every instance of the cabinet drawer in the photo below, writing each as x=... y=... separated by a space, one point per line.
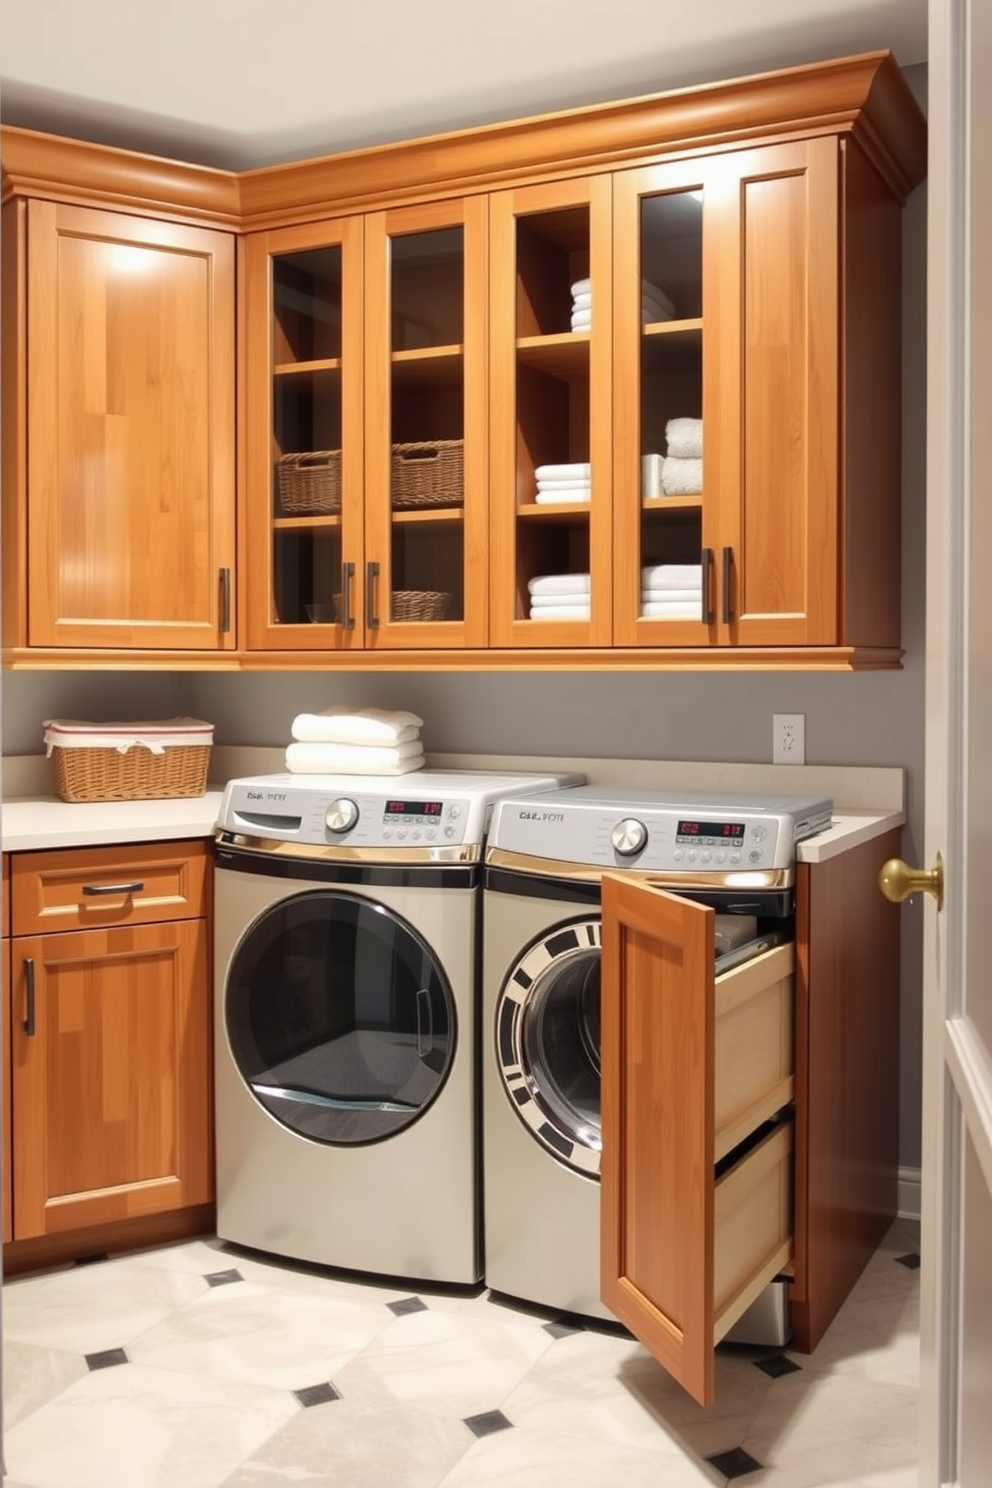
x=752 y=1226
x=754 y=1045
x=92 y=888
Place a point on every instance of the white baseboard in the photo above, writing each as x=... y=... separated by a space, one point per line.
x=909 y=1193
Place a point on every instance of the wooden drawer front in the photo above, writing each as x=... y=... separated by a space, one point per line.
x=127 y=886
x=754 y=1045
x=752 y=1226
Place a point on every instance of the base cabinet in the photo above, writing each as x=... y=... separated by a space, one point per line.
x=738 y=1144
x=110 y=1053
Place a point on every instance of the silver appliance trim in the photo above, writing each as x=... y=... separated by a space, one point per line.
x=467 y=852
x=736 y=879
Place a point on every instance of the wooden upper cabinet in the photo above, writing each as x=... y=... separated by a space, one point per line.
x=130 y=432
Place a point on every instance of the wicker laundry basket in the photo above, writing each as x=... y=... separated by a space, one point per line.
x=431 y=473
x=310 y=483
x=422 y=604
x=156 y=760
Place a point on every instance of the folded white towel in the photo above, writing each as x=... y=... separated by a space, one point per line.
x=668 y=574
x=652 y=295
x=662 y=588
x=581 y=286
x=567 y=583
x=682 y=610
x=581 y=320
x=344 y=725
x=553 y=601
x=575 y=471
x=582 y=301
x=566 y=494
x=685 y=438
x=652 y=313
x=561 y=482
x=346 y=759
x=682 y=477
x=561 y=612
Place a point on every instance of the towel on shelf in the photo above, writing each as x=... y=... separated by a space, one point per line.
x=685 y=438
x=347 y=759
x=665 y=575
x=344 y=725
x=566 y=583
x=581 y=320
x=657 y=299
x=581 y=287
x=582 y=301
x=676 y=610
x=577 y=470
x=552 y=601
x=682 y=477
x=560 y=612
x=575 y=494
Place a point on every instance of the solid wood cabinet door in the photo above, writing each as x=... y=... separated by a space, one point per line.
x=130 y=406
x=687 y=1246
x=110 y=1080
x=7 y=1227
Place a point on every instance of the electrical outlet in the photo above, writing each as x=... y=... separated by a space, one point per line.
x=788 y=738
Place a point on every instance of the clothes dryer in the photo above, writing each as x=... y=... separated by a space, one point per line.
x=541 y=997
x=347 y=931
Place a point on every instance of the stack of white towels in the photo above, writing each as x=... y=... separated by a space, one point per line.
x=560 y=597
x=558 y=483
x=355 y=741
x=672 y=591
x=655 y=304
x=682 y=467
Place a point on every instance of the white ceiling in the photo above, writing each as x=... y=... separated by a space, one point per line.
x=240 y=83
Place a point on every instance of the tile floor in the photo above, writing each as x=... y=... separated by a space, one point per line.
x=201 y=1365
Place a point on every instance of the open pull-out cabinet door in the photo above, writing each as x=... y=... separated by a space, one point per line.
x=684 y=1252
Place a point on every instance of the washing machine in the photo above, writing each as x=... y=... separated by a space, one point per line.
x=541 y=985
x=347 y=934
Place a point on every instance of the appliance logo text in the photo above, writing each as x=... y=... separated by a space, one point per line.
x=545 y=816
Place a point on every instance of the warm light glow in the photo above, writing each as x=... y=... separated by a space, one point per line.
x=127 y=258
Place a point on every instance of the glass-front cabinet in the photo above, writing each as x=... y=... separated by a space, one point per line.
x=551 y=316
x=726 y=319
x=365 y=432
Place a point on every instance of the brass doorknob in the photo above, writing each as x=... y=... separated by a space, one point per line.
x=897 y=880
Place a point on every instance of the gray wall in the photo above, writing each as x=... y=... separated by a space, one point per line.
x=868 y=719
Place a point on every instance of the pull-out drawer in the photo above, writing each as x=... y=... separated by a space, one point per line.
x=99 y=887
x=697 y=1081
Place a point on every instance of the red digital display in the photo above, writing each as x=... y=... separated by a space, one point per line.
x=731 y=831
x=413 y=808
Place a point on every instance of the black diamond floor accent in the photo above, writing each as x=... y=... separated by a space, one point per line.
x=561 y=1330
x=223 y=1278
x=911 y=1261
x=316 y=1394
x=776 y=1365
x=735 y=1463
x=407 y=1304
x=488 y=1422
x=106 y=1358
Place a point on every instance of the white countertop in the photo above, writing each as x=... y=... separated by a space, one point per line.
x=33 y=823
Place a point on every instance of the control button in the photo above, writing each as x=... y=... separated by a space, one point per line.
x=432 y=834
x=450 y=832
x=735 y=857
x=628 y=836
x=678 y=855
x=387 y=832
x=454 y=810
x=692 y=856
x=706 y=857
x=401 y=834
x=759 y=834
x=721 y=857
x=415 y=834
x=754 y=856
x=341 y=815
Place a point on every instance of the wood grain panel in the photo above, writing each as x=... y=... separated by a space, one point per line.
x=847 y=1078
x=48 y=888
x=111 y=1091
x=13 y=417
x=130 y=408
x=7 y=1225
x=657 y=1106
x=92 y=1241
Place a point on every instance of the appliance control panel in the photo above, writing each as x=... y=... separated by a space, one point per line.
x=674 y=833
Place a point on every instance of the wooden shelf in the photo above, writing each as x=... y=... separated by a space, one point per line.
x=307 y=369
x=664 y=505
x=672 y=345
x=560 y=512
x=432 y=365
x=306 y=524
x=408 y=517
x=565 y=356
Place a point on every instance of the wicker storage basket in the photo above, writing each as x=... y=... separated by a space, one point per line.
x=431 y=473
x=422 y=604
x=129 y=761
x=310 y=483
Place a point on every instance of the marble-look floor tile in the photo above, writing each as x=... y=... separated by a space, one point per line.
x=93 y=1307
x=452 y=1366
x=143 y=1428
x=838 y=1425
x=355 y=1446
x=525 y=1459
x=32 y=1376
x=259 y=1335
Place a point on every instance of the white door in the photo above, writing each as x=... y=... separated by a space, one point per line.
x=956 y=1249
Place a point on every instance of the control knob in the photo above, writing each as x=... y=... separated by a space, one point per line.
x=341 y=815
x=628 y=836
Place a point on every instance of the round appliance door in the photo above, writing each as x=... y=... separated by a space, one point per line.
x=547 y=1041
x=339 y=1017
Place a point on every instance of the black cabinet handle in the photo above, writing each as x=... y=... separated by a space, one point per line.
x=347 y=577
x=371 y=574
x=728 y=564
x=29 y=977
x=121 y=888
x=225 y=600
x=707 y=615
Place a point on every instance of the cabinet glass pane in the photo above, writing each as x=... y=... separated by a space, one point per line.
x=553 y=473
x=427 y=425
x=671 y=391
x=306 y=424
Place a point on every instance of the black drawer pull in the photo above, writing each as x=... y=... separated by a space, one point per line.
x=124 y=888
x=29 y=977
x=728 y=564
x=225 y=600
x=371 y=574
x=707 y=566
x=347 y=575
